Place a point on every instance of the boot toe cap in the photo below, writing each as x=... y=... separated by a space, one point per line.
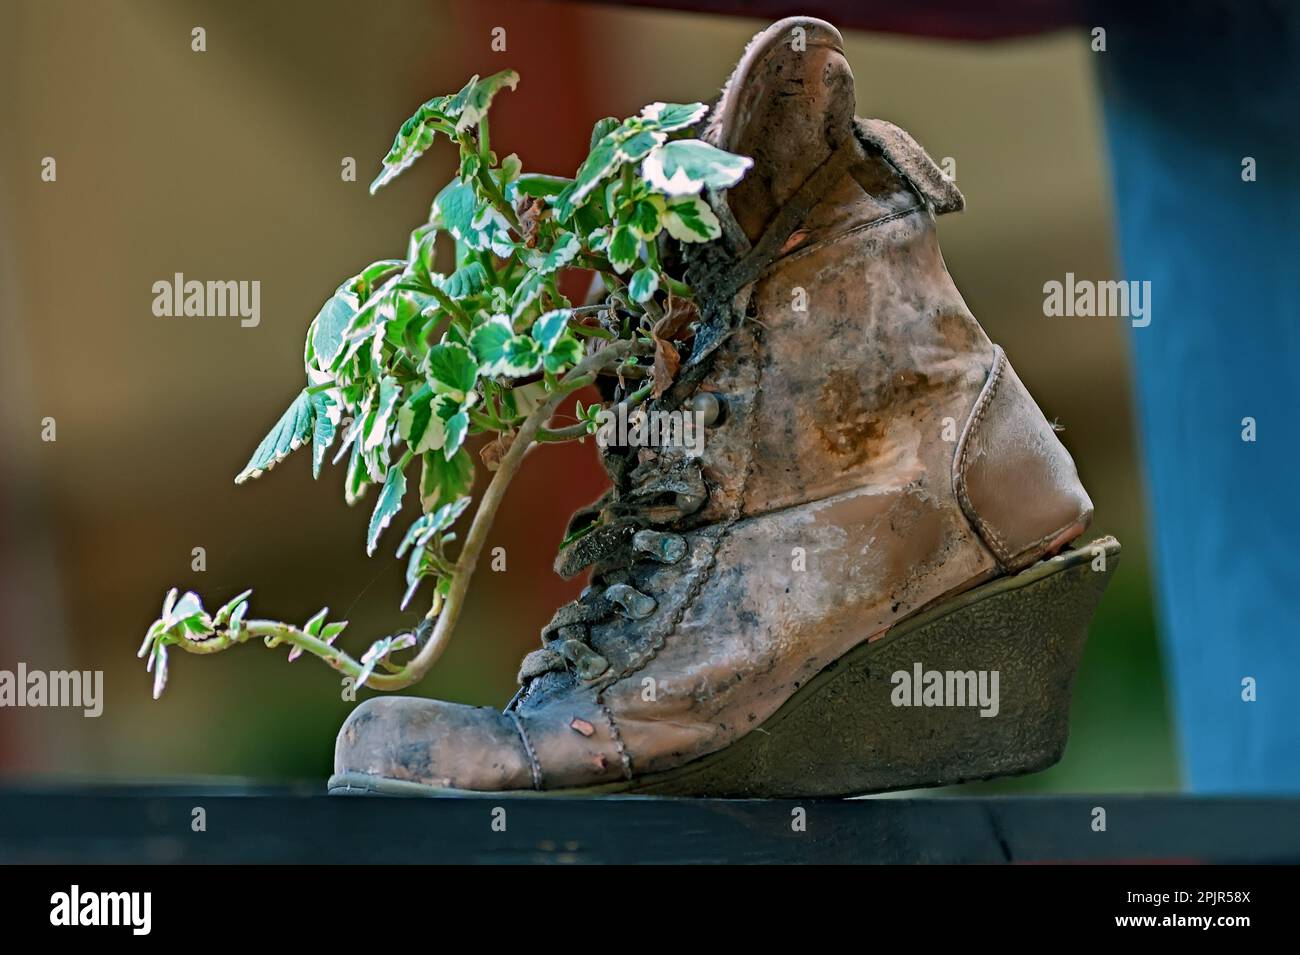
x=445 y=745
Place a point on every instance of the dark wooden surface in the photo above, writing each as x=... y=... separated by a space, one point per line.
x=143 y=824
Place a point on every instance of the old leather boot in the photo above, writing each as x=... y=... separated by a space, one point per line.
x=862 y=583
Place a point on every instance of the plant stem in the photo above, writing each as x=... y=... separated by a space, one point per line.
x=581 y=375
x=579 y=430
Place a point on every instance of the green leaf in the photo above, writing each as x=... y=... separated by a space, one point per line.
x=452 y=369
x=293 y=428
x=538 y=185
x=601 y=129
x=419 y=427
x=442 y=481
x=362 y=285
x=414 y=137
x=565 y=352
x=488 y=342
x=470 y=163
x=528 y=291
x=236 y=623
x=644 y=217
x=635 y=146
x=224 y=614
x=565 y=250
x=490 y=230
x=670 y=117
x=455 y=104
x=470 y=279
x=389 y=503
x=510 y=169
x=480 y=95
x=457 y=428
x=380 y=650
x=624 y=248
x=423 y=532
x=691 y=220
x=355 y=483
x=685 y=166
x=186 y=617
x=549 y=327
x=521 y=356
x=313 y=625
x=326 y=415
x=644 y=284
x=374 y=433
x=417 y=568
x=330 y=323
x=420 y=251
x=457 y=205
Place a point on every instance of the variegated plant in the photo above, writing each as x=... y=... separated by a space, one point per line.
x=404 y=363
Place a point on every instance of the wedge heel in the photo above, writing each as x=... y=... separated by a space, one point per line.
x=976 y=688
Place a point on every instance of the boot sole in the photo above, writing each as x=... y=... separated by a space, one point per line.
x=842 y=734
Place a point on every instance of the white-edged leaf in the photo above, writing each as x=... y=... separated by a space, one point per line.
x=548 y=328
x=356 y=481
x=643 y=285
x=690 y=219
x=419 y=427
x=624 y=249
x=479 y=97
x=236 y=623
x=313 y=625
x=520 y=356
x=457 y=205
x=470 y=279
x=289 y=433
x=645 y=217
x=376 y=424
x=685 y=166
x=566 y=351
x=457 y=428
x=633 y=146
x=452 y=370
x=526 y=292
x=442 y=481
x=564 y=251
x=414 y=137
x=326 y=414
x=389 y=503
x=674 y=116
x=223 y=615
x=488 y=342
x=330 y=324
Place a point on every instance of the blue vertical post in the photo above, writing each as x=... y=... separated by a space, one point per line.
x=1190 y=98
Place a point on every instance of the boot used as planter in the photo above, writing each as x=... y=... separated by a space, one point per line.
x=865 y=579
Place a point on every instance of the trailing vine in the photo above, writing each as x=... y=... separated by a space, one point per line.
x=404 y=363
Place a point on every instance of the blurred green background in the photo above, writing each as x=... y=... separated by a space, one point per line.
x=226 y=165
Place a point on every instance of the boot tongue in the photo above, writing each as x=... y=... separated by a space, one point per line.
x=788 y=104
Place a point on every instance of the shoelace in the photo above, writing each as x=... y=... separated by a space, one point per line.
x=624 y=540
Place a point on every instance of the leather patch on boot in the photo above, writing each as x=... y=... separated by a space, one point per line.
x=1014 y=479
x=913 y=163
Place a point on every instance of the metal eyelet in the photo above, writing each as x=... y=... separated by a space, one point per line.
x=587 y=663
x=710 y=406
x=635 y=604
x=663 y=547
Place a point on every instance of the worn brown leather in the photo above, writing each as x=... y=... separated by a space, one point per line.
x=877 y=455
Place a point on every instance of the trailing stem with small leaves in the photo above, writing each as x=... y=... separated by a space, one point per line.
x=404 y=363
